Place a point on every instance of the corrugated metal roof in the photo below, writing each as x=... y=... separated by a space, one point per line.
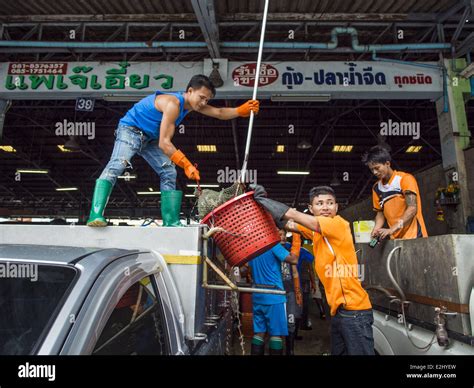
x=223 y=7
x=87 y=7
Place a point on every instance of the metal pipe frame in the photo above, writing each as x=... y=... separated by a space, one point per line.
x=232 y=286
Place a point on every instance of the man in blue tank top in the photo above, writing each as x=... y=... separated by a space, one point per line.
x=147 y=130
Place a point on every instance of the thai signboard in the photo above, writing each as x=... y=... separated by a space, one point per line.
x=122 y=80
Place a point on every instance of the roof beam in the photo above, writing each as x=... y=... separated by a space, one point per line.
x=377 y=39
x=222 y=24
x=101 y=17
x=451 y=13
x=184 y=17
x=460 y=26
x=179 y=50
x=206 y=17
x=30 y=33
x=466 y=45
x=391 y=17
x=114 y=35
x=299 y=27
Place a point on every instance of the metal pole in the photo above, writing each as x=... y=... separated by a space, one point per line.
x=220 y=273
x=255 y=88
x=244 y=289
x=4 y=106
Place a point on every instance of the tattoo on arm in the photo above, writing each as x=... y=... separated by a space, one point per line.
x=410 y=199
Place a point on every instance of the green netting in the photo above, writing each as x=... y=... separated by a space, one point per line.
x=208 y=200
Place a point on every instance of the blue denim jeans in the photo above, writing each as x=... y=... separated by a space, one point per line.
x=351 y=332
x=130 y=141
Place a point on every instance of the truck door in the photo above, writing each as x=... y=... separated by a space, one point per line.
x=136 y=325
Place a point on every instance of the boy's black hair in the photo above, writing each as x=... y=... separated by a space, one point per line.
x=198 y=81
x=377 y=154
x=318 y=190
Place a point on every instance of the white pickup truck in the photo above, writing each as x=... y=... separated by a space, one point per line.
x=117 y=290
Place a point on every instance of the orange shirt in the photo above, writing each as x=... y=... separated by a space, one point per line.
x=390 y=199
x=336 y=264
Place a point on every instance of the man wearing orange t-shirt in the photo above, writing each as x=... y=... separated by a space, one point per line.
x=395 y=198
x=336 y=266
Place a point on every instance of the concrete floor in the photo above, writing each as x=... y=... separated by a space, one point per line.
x=315 y=342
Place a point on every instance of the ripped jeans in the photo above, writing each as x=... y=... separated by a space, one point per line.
x=130 y=141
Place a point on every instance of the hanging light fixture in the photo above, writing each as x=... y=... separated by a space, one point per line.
x=304 y=145
x=72 y=144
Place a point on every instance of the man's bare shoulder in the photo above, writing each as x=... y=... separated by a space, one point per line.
x=166 y=101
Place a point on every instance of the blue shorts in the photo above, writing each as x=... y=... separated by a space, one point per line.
x=270 y=318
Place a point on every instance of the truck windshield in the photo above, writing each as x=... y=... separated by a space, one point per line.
x=31 y=296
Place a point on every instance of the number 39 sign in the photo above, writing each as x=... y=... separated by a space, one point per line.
x=85 y=104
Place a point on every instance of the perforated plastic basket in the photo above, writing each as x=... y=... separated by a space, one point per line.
x=249 y=229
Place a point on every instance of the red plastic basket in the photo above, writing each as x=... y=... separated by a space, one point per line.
x=250 y=230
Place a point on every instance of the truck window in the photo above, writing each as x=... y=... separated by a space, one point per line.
x=30 y=299
x=136 y=325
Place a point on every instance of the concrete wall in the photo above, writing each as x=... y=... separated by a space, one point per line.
x=428 y=182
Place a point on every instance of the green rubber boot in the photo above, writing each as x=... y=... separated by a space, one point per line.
x=102 y=191
x=171 y=207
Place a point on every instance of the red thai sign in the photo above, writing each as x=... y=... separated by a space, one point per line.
x=244 y=75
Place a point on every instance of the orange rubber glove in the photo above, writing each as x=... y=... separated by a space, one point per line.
x=182 y=161
x=296 y=285
x=295 y=250
x=296 y=245
x=250 y=106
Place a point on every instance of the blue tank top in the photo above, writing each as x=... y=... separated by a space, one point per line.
x=145 y=116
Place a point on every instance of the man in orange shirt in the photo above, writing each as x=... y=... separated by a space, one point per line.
x=395 y=197
x=336 y=266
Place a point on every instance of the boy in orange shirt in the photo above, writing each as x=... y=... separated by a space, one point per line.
x=395 y=197
x=336 y=266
